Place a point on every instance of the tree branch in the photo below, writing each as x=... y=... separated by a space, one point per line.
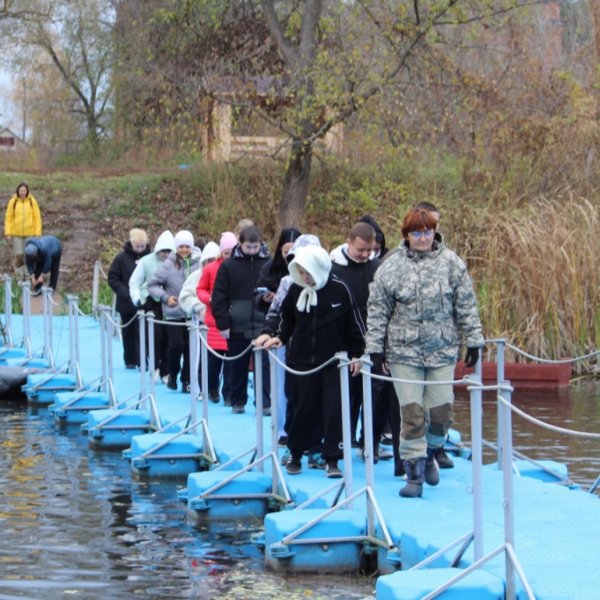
x=289 y=54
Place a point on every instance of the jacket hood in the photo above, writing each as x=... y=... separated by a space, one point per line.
x=165 y=241
x=210 y=251
x=315 y=261
x=341 y=257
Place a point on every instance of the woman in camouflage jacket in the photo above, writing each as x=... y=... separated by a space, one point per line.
x=421 y=306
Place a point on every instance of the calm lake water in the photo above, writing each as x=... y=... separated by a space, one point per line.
x=75 y=523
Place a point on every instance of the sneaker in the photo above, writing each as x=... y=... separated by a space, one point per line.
x=316 y=461
x=294 y=465
x=332 y=470
x=285 y=457
x=171 y=384
x=386 y=439
x=214 y=397
x=385 y=454
x=282 y=441
x=165 y=379
x=186 y=388
x=226 y=401
x=131 y=367
x=266 y=411
x=238 y=409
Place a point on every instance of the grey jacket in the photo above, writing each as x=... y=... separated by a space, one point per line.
x=421 y=306
x=168 y=281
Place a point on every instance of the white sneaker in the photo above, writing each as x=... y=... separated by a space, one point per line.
x=165 y=379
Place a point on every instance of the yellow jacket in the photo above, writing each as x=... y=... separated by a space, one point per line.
x=23 y=217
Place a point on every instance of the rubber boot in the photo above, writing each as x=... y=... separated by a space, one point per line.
x=443 y=460
x=415 y=474
x=432 y=474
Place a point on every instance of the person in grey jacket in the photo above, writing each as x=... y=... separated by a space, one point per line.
x=421 y=306
x=165 y=285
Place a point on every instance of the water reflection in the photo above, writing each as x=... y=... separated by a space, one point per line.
x=74 y=522
x=576 y=407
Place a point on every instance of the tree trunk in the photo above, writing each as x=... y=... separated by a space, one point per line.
x=295 y=185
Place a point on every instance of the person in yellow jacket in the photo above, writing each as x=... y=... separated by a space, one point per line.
x=22 y=220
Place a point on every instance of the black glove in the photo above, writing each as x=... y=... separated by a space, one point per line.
x=471 y=357
x=376 y=362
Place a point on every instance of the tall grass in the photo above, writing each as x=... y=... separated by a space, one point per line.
x=537 y=276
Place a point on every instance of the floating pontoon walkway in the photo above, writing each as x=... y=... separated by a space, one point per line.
x=556 y=528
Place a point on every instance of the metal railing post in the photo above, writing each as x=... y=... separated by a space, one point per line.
x=103 y=348
x=8 y=309
x=47 y=308
x=346 y=435
x=258 y=397
x=142 y=352
x=477 y=461
x=71 y=332
x=151 y=355
x=368 y=436
x=507 y=476
x=203 y=339
x=26 y=301
x=500 y=354
x=193 y=361
x=274 y=376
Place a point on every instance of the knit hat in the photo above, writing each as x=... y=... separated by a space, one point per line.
x=184 y=238
x=210 y=251
x=138 y=236
x=165 y=241
x=315 y=261
x=228 y=240
x=306 y=239
x=30 y=250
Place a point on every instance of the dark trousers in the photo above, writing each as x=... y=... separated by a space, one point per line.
x=215 y=368
x=239 y=374
x=356 y=401
x=131 y=339
x=54 y=269
x=179 y=346
x=386 y=409
x=316 y=410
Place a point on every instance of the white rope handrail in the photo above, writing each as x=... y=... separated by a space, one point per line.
x=556 y=429
x=225 y=358
x=315 y=370
x=464 y=381
x=82 y=313
x=55 y=303
x=120 y=325
x=558 y=361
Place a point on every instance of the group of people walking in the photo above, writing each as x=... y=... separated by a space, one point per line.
x=410 y=309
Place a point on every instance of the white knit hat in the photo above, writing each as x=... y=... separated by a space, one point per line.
x=315 y=261
x=184 y=238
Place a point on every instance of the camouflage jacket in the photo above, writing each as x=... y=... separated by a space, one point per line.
x=420 y=306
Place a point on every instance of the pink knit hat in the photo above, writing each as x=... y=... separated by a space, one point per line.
x=228 y=240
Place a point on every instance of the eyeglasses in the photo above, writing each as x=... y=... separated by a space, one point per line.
x=428 y=233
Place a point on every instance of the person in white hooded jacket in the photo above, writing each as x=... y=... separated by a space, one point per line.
x=318 y=319
x=138 y=291
x=188 y=299
x=166 y=284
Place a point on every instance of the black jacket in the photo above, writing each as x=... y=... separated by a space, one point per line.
x=358 y=276
x=333 y=325
x=119 y=274
x=233 y=299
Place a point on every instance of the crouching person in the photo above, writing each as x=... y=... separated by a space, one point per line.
x=318 y=319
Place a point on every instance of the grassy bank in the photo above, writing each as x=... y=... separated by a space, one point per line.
x=533 y=259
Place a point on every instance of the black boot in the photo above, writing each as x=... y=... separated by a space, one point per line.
x=415 y=474
x=443 y=460
x=432 y=474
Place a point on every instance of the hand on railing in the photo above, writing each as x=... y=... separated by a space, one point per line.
x=471 y=357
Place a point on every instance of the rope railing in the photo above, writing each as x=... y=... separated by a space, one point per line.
x=550 y=361
x=548 y=426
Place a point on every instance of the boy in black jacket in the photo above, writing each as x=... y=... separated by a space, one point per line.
x=318 y=319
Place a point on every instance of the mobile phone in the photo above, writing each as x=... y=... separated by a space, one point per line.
x=261 y=290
